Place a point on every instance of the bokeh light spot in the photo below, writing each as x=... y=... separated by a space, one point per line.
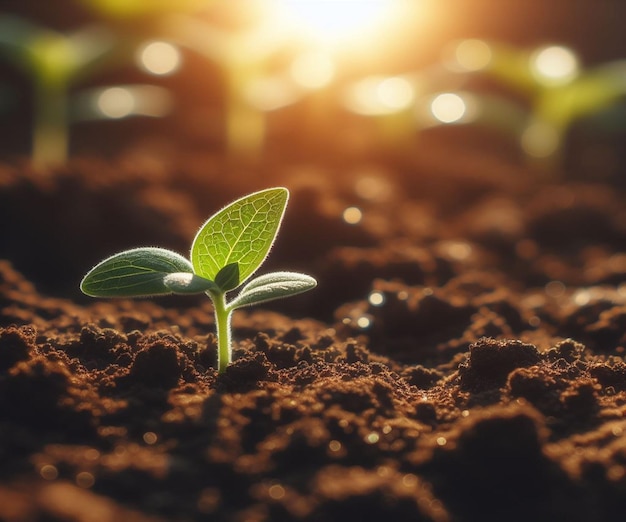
x=540 y=140
x=116 y=102
x=448 y=107
x=352 y=215
x=378 y=95
x=372 y=438
x=376 y=298
x=373 y=187
x=363 y=322
x=473 y=55
x=149 y=437
x=555 y=64
x=84 y=479
x=395 y=93
x=159 y=58
x=334 y=446
x=49 y=472
x=555 y=288
x=276 y=491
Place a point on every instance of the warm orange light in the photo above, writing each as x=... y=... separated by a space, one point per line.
x=312 y=70
x=378 y=95
x=271 y=93
x=352 y=215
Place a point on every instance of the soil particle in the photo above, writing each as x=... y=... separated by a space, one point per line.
x=157 y=365
x=15 y=345
x=494 y=446
x=490 y=362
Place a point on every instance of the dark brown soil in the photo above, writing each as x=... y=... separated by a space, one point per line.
x=461 y=359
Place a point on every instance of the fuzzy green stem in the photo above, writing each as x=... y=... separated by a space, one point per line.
x=222 y=325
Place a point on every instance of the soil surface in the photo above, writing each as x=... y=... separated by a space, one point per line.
x=461 y=359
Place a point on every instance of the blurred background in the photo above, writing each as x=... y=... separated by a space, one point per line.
x=542 y=83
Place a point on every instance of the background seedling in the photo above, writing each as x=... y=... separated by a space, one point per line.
x=54 y=61
x=558 y=90
x=227 y=250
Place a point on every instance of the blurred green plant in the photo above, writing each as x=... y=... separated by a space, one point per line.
x=141 y=9
x=54 y=61
x=558 y=91
x=227 y=250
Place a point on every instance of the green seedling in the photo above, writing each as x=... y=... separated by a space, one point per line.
x=227 y=250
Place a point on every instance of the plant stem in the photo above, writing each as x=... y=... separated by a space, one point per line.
x=50 y=138
x=222 y=325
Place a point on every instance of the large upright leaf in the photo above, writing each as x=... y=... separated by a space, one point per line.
x=134 y=273
x=242 y=233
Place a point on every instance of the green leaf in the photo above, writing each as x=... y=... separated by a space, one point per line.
x=242 y=233
x=228 y=277
x=272 y=286
x=134 y=273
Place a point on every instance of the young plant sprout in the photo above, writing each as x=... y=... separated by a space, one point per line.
x=227 y=250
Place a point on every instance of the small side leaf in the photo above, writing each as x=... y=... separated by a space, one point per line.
x=242 y=232
x=134 y=273
x=228 y=277
x=188 y=283
x=272 y=286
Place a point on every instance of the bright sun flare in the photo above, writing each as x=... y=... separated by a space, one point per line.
x=335 y=20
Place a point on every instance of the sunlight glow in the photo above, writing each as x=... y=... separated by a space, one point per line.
x=555 y=64
x=312 y=70
x=159 y=58
x=335 y=20
x=378 y=95
x=271 y=93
